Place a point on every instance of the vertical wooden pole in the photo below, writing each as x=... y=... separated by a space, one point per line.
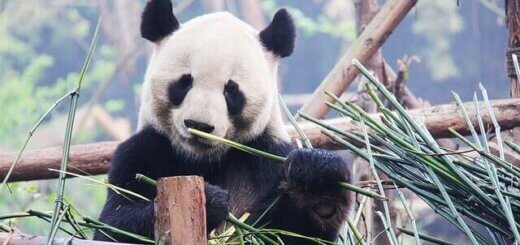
x=365 y=12
x=512 y=8
x=180 y=214
x=513 y=27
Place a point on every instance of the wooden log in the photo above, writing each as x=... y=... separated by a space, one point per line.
x=343 y=73
x=35 y=164
x=180 y=214
x=95 y=158
x=436 y=118
x=22 y=239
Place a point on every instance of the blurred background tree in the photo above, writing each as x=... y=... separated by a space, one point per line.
x=42 y=45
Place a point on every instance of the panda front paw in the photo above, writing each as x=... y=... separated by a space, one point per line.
x=312 y=181
x=217 y=205
x=315 y=170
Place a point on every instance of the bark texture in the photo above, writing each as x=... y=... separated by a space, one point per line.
x=180 y=214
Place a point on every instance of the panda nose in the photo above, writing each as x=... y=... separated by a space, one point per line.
x=204 y=127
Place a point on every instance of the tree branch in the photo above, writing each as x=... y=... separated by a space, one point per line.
x=362 y=49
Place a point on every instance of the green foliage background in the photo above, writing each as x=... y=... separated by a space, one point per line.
x=40 y=62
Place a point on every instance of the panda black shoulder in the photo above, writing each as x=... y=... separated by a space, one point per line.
x=147 y=152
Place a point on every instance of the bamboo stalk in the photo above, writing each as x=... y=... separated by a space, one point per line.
x=410 y=215
x=147 y=180
x=87 y=222
x=68 y=135
x=425 y=237
x=292 y=120
x=492 y=173
x=235 y=145
x=22 y=239
x=57 y=225
x=29 y=136
x=356 y=233
x=391 y=235
x=256 y=152
x=410 y=156
x=241 y=225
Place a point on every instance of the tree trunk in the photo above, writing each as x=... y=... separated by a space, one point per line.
x=513 y=25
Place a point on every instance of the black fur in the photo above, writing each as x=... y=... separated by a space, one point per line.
x=235 y=99
x=331 y=170
x=178 y=90
x=279 y=36
x=237 y=183
x=217 y=207
x=158 y=20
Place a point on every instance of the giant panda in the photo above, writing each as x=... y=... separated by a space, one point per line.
x=217 y=74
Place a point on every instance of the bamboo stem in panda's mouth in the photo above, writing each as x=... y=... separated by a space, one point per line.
x=260 y=153
x=236 y=145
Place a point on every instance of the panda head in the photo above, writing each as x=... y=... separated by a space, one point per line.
x=214 y=73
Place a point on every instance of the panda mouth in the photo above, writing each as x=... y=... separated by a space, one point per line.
x=200 y=143
x=196 y=143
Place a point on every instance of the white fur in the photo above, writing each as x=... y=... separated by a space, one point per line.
x=213 y=48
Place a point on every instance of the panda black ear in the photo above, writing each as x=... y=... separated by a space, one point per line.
x=278 y=37
x=158 y=20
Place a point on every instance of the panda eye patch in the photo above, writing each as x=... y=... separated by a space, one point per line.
x=178 y=89
x=235 y=99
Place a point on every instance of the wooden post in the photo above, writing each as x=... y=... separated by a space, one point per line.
x=180 y=213
x=513 y=27
x=512 y=8
x=365 y=12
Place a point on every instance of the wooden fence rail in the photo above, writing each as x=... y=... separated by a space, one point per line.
x=95 y=158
